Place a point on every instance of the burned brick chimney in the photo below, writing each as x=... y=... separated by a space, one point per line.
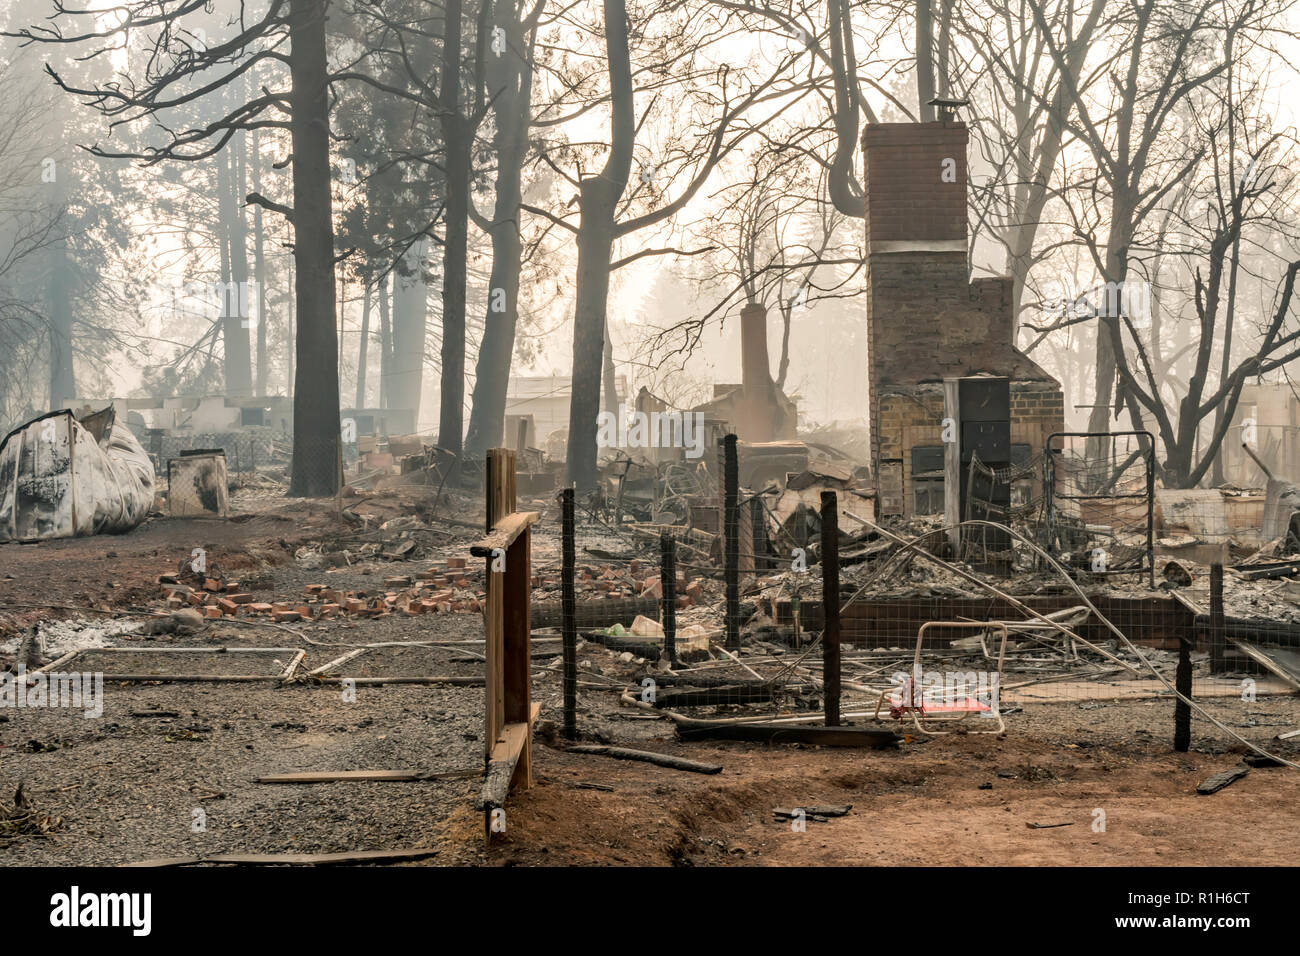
x=755 y=369
x=757 y=410
x=927 y=322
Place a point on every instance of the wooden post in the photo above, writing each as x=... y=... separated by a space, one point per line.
x=1218 y=629
x=731 y=544
x=668 y=597
x=569 y=626
x=508 y=710
x=831 y=607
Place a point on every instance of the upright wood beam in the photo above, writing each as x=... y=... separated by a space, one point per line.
x=508 y=709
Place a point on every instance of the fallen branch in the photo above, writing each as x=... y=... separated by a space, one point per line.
x=385 y=776
x=292 y=859
x=659 y=760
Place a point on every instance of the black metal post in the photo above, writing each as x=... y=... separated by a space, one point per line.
x=1151 y=514
x=668 y=597
x=831 y=607
x=758 y=525
x=1182 y=710
x=731 y=549
x=1218 y=627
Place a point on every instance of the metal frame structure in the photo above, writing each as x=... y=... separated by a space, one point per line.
x=914 y=703
x=1050 y=494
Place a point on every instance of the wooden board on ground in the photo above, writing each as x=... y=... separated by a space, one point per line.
x=788 y=734
x=1282 y=661
x=394 y=776
x=1220 y=780
x=293 y=859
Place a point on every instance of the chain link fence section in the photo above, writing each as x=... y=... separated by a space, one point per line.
x=922 y=644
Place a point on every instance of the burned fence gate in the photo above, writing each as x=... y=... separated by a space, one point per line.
x=509 y=711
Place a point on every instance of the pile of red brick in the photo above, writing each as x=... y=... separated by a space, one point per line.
x=446 y=588
x=635 y=579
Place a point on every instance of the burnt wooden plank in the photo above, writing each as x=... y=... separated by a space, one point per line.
x=1220 y=780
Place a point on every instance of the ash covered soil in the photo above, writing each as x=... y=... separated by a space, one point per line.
x=169 y=770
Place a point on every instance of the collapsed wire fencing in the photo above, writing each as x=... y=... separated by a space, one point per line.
x=922 y=642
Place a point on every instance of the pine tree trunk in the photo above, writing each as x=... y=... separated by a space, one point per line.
x=509 y=83
x=236 y=304
x=410 y=329
x=459 y=140
x=385 y=340
x=363 y=346
x=595 y=244
x=316 y=446
x=259 y=271
x=597 y=203
x=63 y=382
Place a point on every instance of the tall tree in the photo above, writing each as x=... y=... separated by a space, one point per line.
x=184 y=69
x=601 y=202
x=508 y=80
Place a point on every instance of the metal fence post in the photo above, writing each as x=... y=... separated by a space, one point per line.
x=668 y=595
x=830 y=558
x=731 y=545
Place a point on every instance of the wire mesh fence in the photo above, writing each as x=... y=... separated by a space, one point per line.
x=1099 y=500
x=918 y=638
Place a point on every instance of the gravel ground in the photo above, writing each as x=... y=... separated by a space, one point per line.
x=133 y=784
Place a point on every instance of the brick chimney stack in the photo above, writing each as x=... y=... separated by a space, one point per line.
x=757 y=416
x=926 y=320
x=755 y=369
x=916 y=186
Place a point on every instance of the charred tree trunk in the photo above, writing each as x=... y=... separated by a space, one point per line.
x=363 y=346
x=609 y=389
x=459 y=139
x=410 y=329
x=316 y=437
x=597 y=204
x=595 y=243
x=783 y=366
x=235 y=298
x=509 y=82
x=63 y=381
x=259 y=271
x=385 y=341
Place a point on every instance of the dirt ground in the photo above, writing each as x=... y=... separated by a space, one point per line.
x=169 y=769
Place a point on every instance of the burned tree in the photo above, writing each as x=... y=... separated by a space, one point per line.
x=184 y=73
x=508 y=84
x=603 y=201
